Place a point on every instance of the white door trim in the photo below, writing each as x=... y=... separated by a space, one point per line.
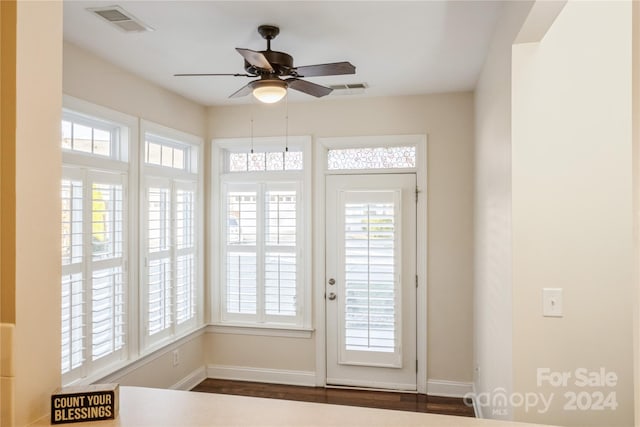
x=322 y=145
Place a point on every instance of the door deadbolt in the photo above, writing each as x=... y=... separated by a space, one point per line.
x=332 y=281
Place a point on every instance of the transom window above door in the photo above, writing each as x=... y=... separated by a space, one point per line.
x=361 y=158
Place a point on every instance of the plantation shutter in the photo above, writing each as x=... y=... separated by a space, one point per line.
x=280 y=281
x=159 y=265
x=73 y=293
x=108 y=278
x=370 y=276
x=93 y=284
x=171 y=274
x=185 y=252
x=261 y=274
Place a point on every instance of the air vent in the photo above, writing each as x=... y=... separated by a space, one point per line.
x=122 y=19
x=348 y=89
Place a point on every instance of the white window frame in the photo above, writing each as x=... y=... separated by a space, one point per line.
x=174 y=179
x=119 y=162
x=321 y=148
x=219 y=148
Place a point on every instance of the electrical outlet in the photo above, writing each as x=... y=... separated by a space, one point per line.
x=176 y=357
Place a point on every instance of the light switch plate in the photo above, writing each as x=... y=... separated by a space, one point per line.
x=552 y=302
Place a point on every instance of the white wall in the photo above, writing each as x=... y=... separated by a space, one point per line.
x=448 y=121
x=572 y=209
x=38 y=109
x=492 y=214
x=93 y=79
x=158 y=371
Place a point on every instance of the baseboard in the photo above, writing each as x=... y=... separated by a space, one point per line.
x=262 y=375
x=441 y=388
x=444 y=388
x=191 y=380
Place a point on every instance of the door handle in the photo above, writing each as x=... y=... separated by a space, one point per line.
x=332 y=296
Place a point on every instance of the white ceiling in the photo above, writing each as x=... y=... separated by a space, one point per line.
x=398 y=48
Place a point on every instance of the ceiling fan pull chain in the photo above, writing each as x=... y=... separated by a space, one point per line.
x=286 y=131
x=286 y=123
x=251 y=111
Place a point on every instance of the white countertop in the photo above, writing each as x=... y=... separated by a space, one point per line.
x=142 y=407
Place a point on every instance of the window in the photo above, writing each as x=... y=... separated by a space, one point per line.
x=171 y=225
x=95 y=280
x=272 y=161
x=264 y=199
x=130 y=232
x=371 y=158
x=163 y=152
x=93 y=136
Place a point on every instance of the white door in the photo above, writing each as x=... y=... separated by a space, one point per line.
x=370 y=284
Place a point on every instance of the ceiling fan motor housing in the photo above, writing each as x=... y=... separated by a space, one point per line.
x=282 y=64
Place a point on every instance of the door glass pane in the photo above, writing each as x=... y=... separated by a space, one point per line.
x=370 y=288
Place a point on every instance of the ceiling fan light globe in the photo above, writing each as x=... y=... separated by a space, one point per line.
x=269 y=94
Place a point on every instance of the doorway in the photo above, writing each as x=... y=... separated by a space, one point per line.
x=370 y=289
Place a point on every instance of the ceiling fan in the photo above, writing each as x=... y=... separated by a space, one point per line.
x=269 y=66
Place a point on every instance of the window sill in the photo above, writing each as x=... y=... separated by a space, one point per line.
x=270 y=331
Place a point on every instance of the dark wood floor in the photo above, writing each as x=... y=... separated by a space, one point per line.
x=371 y=399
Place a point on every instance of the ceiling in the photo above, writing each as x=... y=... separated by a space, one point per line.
x=398 y=48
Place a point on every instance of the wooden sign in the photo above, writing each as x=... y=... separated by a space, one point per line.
x=84 y=403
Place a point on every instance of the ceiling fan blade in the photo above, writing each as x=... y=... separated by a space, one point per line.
x=243 y=91
x=308 y=87
x=212 y=74
x=333 y=69
x=256 y=59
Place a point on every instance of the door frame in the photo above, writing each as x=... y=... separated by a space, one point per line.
x=322 y=145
